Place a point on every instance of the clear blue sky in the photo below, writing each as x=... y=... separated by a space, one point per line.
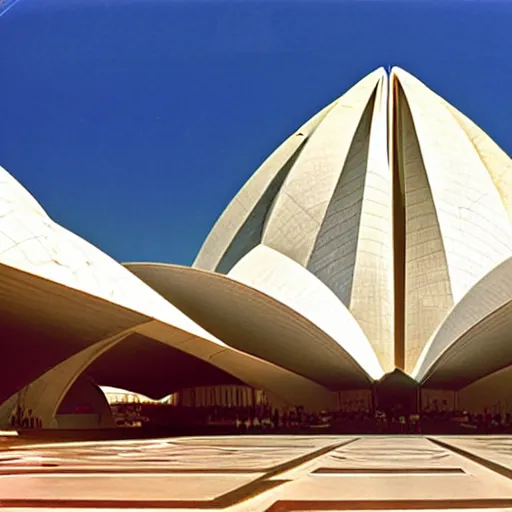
x=134 y=122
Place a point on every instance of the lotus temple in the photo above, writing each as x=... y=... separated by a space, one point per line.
x=369 y=257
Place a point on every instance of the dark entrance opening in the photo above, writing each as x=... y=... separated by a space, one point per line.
x=396 y=393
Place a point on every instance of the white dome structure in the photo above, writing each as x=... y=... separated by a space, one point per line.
x=66 y=304
x=324 y=200
x=390 y=197
x=377 y=238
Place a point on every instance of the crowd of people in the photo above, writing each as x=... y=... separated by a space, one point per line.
x=265 y=419
x=454 y=421
x=24 y=419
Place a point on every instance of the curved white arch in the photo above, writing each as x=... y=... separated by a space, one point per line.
x=259 y=191
x=287 y=388
x=495 y=160
x=300 y=207
x=286 y=281
x=44 y=395
x=481 y=351
x=479 y=324
x=457 y=228
x=255 y=323
x=32 y=242
x=323 y=199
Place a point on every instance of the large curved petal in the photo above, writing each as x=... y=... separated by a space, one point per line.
x=456 y=225
x=240 y=227
x=32 y=242
x=256 y=323
x=324 y=200
x=474 y=340
x=286 y=281
x=69 y=295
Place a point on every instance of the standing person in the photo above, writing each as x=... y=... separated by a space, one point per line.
x=413 y=423
x=378 y=421
x=275 y=419
x=402 y=423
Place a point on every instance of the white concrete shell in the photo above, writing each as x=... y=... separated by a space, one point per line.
x=495 y=160
x=32 y=242
x=240 y=226
x=43 y=323
x=63 y=264
x=256 y=323
x=392 y=198
x=475 y=338
x=286 y=281
x=323 y=199
x=457 y=227
x=44 y=395
x=379 y=235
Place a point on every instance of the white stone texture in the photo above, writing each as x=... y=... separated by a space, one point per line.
x=240 y=227
x=284 y=280
x=473 y=227
x=428 y=295
x=475 y=337
x=300 y=207
x=327 y=207
x=61 y=256
x=308 y=246
x=258 y=324
x=32 y=242
x=372 y=295
x=495 y=160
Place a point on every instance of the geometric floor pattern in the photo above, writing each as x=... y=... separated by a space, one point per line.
x=262 y=474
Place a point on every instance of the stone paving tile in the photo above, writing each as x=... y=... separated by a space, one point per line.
x=497 y=449
x=233 y=453
x=255 y=474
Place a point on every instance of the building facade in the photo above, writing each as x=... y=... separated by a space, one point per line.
x=377 y=238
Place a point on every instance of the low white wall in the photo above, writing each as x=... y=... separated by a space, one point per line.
x=78 y=421
x=225 y=396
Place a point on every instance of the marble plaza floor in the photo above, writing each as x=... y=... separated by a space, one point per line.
x=262 y=474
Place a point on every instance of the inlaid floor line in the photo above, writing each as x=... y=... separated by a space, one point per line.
x=218 y=482
x=62 y=469
x=298 y=461
x=245 y=492
x=493 y=466
x=339 y=505
x=122 y=471
x=388 y=471
x=220 y=503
